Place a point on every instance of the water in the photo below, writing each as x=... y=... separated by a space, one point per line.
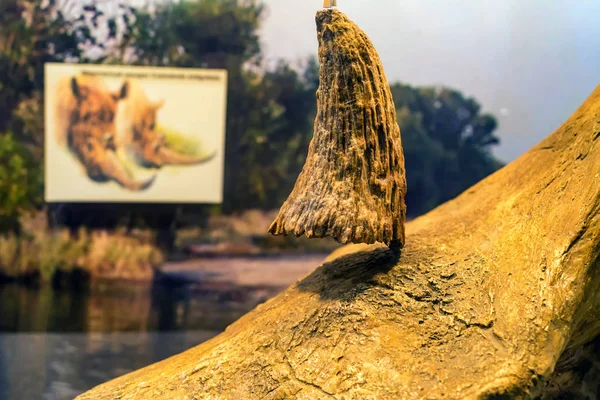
x=61 y=366
x=128 y=307
x=56 y=345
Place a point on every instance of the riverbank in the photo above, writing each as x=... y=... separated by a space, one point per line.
x=276 y=271
x=58 y=257
x=62 y=259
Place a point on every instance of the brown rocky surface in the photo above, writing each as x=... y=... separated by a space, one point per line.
x=353 y=184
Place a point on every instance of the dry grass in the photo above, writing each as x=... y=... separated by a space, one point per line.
x=100 y=254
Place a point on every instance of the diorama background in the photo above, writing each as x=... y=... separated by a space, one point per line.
x=193 y=107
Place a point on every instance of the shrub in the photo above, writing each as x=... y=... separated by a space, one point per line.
x=21 y=184
x=101 y=254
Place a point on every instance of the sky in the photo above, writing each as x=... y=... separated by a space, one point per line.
x=530 y=63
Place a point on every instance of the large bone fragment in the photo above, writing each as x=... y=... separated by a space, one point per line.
x=493 y=292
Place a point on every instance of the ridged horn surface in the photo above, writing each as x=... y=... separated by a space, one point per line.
x=353 y=184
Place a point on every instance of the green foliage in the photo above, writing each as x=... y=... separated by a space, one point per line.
x=446 y=142
x=28 y=121
x=279 y=129
x=179 y=142
x=20 y=182
x=201 y=34
x=31 y=34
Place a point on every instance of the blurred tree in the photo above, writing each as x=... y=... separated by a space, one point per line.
x=198 y=34
x=279 y=131
x=447 y=143
x=268 y=113
x=20 y=182
x=32 y=33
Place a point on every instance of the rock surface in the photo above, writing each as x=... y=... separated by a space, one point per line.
x=491 y=290
x=353 y=184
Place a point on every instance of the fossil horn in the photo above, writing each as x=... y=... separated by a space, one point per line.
x=352 y=186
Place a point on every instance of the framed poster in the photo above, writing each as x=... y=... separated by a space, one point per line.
x=134 y=134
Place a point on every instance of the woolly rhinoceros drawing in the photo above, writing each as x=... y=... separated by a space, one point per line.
x=104 y=129
x=84 y=123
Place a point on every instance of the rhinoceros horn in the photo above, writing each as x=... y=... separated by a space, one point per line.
x=166 y=156
x=113 y=169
